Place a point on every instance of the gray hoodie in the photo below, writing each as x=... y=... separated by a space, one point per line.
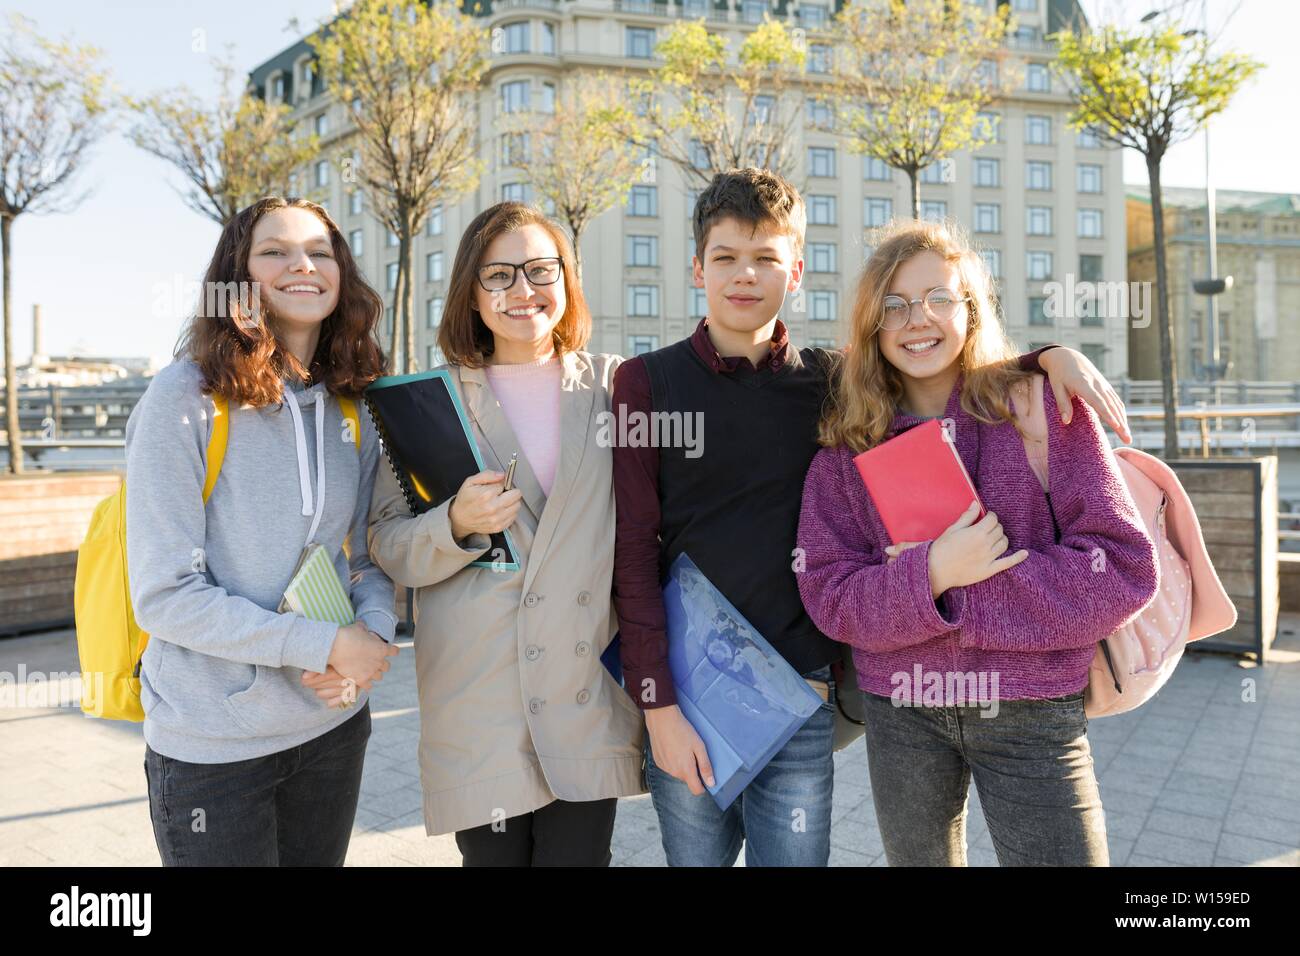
x=221 y=675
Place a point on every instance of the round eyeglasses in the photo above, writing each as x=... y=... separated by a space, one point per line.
x=941 y=305
x=499 y=276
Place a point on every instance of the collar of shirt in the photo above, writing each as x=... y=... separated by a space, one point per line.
x=780 y=349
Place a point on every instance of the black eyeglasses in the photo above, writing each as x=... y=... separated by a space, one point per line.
x=499 y=276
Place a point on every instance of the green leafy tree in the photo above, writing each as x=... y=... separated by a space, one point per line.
x=1147 y=90
x=911 y=78
x=409 y=74
x=55 y=105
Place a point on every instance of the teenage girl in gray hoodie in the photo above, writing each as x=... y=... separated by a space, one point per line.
x=245 y=764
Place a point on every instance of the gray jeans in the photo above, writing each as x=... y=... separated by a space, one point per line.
x=1032 y=768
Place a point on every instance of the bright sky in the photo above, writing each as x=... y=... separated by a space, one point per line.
x=98 y=271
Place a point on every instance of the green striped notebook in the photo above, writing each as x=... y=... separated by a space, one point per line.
x=315 y=591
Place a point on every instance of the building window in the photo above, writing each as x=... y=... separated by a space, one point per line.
x=433 y=226
x=548 y=38
x=819 y=58
x=1038 y=130
x=434 y=356
x=1037 y=78
x=877 y=211
x=548 y=98
x=643 y=201
x=642 y=250
x=517 y=36
x=1038 y=311
x=988 y=172
x=322 y=124
x=638 y=42
x=698 y=155
x=433 y=267
x=1087 y=311
x=1089 y=178
x=390 y=276
x=822 y=257
x=818 y=113
x=277 y=88
x=515 y=96
x=1027 y=6
x=514 y=149
x=812 y=16
x=354 y=202
x=988 y=126
x=763 y=109
x=390 y=239
x=992 y=261
x=932 y=175
x=641 y=344
x=1087 y=139
x=988 y=217
x=751 y=11
x=933 y=210
x=1089 y=223
x=822 y=305
x=323 y=173
x=876 y=170
x=433 y=312
x=1090 y=267
x=643 y=301
x=356 y=242
x=515 y=192
x=1038 y=264
x=1095 y=352
x=697 y=304
x=1038 y=220
x=1038 y=174
x=821 y=161
x=821 y=210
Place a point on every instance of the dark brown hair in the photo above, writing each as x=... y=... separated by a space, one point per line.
x=755 y=197
x=237 y=349
x=463 y=336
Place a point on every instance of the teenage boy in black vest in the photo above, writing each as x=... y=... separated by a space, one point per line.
x=730 y=498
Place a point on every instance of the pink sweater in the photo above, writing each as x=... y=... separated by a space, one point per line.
x=530 y=396
x=1035 y=625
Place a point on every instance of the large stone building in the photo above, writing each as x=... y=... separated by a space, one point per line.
x=1258 y=237
x=1044 y=203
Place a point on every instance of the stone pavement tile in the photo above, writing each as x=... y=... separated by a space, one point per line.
x=1270 y=805
x=1206 y=767
x=1248 y=850
x=1262 y=781
x=1126 y=764
x=1196 y=783
x=1119 y=850
x=1125 y=801
x=981 y=856
x=1150 y=784
x=1205 y=829
x=26 y=856
x=1137 y=860
x=1179 y=850
x=1127 y=826
x=1263 y=827
x=880 y=861
x=843 y=857
x=1157 y=754
x=858 y=837
x=1198 y=804
x=653 y=855
x=78 y=847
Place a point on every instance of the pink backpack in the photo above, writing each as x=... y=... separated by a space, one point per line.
x=1190 y=602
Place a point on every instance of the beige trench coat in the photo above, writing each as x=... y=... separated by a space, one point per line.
x=516 y=708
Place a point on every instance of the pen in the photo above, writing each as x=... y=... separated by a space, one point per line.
x=510 y=472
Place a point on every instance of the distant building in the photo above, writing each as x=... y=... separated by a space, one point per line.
x=70 y=371
x=1258 y=237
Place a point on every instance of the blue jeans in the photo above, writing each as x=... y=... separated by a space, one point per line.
x=783 y=816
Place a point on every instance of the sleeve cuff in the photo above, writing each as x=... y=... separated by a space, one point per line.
x=650 y=696
x=443 y=539
x=309 y=644
x=383 y=623
x=916 y=570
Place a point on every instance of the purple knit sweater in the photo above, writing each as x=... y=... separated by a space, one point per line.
x=1035 y=626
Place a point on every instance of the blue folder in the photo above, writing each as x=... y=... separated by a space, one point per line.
x=739 y=694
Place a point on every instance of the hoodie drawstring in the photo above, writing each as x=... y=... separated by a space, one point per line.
x=300 y=444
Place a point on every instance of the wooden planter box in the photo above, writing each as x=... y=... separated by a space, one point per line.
x=43 y=519
x=1236 y=501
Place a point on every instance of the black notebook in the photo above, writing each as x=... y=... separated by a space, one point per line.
x=427 y=439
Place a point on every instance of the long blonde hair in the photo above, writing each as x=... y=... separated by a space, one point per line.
x=867 y=389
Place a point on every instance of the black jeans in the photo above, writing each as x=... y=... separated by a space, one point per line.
x=292 y=808
x=562 y=833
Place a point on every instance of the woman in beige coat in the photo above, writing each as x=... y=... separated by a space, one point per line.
x=526 y=740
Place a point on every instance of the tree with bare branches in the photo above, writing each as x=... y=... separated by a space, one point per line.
x=55 y=105
x=409 y=74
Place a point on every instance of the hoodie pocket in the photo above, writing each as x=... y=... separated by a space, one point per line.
x=277 y=703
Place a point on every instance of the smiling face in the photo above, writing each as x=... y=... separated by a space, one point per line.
x=292 y=260
x=746 y=273
x=522 y=317
x=924 y=348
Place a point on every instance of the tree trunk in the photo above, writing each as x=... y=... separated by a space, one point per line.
x=407 y=298
x=914 y=176
x=394 y=335
x=1168 y=363
x=577 y=252
x=11 y=371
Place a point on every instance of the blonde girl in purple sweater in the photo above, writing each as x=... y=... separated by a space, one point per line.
x=972 y=649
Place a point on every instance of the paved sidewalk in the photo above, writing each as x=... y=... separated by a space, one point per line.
x=1197 y=777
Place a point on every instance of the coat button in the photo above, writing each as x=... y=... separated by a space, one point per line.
x=532 y=652
x=535 y=706
x=531 y=599
x=583 y=649
x=584 y=696
x=584 y=598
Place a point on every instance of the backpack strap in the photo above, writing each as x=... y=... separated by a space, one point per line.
x=349 y=408
x=216 y=444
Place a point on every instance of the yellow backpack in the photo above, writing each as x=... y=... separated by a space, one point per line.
x=109 y=641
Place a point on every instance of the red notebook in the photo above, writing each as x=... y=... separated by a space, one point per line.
x=917 y=483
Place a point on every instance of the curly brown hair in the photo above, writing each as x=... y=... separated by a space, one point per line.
x=237 y=349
